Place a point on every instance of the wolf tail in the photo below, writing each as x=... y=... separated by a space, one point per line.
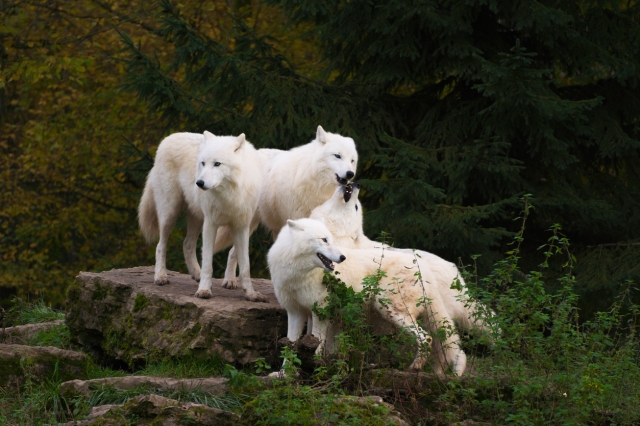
x=148 y=215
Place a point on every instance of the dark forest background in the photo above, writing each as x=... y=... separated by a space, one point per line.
x=458 y=109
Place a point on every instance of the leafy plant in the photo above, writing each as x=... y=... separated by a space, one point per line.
x=294 y=404
x=546 y=366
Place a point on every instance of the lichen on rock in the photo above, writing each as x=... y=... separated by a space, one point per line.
x=120 y=314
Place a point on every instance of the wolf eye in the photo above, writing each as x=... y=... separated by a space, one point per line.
x=338 y=155
x=356 y=207
x=324 y=239
x=352 y=161
x=216 y=164
x=202 y=163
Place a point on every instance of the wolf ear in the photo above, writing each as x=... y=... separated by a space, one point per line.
x=240 y=141
x=294 y=225
x=208 y=135
x=321 y=135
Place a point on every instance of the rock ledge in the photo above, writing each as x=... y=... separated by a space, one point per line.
x=120 y=314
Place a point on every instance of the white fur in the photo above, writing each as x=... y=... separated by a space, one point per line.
x=229 y=170
x=297 y=181
x=344 y=220
x=297 y=278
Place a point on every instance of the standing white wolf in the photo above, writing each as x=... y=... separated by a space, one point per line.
x=305 y=248
x=342 y=214
x=218 y=180
x=295 y=182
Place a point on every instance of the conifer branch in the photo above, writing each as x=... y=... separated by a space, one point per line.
x=615 y=245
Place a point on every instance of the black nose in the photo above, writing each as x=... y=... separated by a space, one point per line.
x=343 y=258
x=350 y=174
x=355 y=184
x=200 y=183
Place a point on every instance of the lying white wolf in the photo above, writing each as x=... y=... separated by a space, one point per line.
x=218 y=180
x=295 y=182
x=305 y=248
x=342 y=214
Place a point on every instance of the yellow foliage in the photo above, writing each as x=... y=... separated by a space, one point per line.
x=65 y=202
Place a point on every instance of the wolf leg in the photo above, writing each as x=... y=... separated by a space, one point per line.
x=209 y=231
x=229 y=280
x=241 y=243
x=194 y=226
x=404 y=320
x=447 y=352
x=320 y=330
x=296 y=318
x=168 y=210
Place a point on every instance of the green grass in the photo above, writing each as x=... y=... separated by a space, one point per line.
x=35 y=403
x=26 y=312
x=103 y=395
x=299 y=405
x=542 y=366
x=184 y=368
x=57 y=336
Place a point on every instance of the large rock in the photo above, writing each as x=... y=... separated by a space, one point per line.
x=122 y=314
x=17 y=362
x=161 y=410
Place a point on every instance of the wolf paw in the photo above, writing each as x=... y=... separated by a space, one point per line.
x=195 y=277
x=230 y=284
x=256 y=297
x=203 y=294
x=161 y=281
x=417 y=364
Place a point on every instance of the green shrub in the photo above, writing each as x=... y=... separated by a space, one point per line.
x=546 y=366
x=301 y=405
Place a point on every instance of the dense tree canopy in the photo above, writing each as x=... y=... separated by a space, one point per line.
x=457 y=108
x=65 y=202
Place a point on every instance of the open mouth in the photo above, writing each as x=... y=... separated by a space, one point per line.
x=341 y=181
x=328 y=264
x=348 y=191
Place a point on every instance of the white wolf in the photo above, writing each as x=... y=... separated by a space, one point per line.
x=342 y=214
x=218 y=180
x=295 y=182
x=305 y=248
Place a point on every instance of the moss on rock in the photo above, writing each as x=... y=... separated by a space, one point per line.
x=121 y=314
x=19 y=363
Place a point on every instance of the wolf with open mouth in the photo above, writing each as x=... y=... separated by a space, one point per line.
x=305 y=248
x=342 y=214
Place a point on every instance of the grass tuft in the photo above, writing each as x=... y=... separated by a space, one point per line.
x=26 y=312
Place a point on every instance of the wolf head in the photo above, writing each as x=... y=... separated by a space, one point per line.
x=218 y=158
x=342 y=213
x=311 y=240
x=336 y=156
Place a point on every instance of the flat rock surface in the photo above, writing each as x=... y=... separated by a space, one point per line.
x=122 y=314
x=181 y=285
